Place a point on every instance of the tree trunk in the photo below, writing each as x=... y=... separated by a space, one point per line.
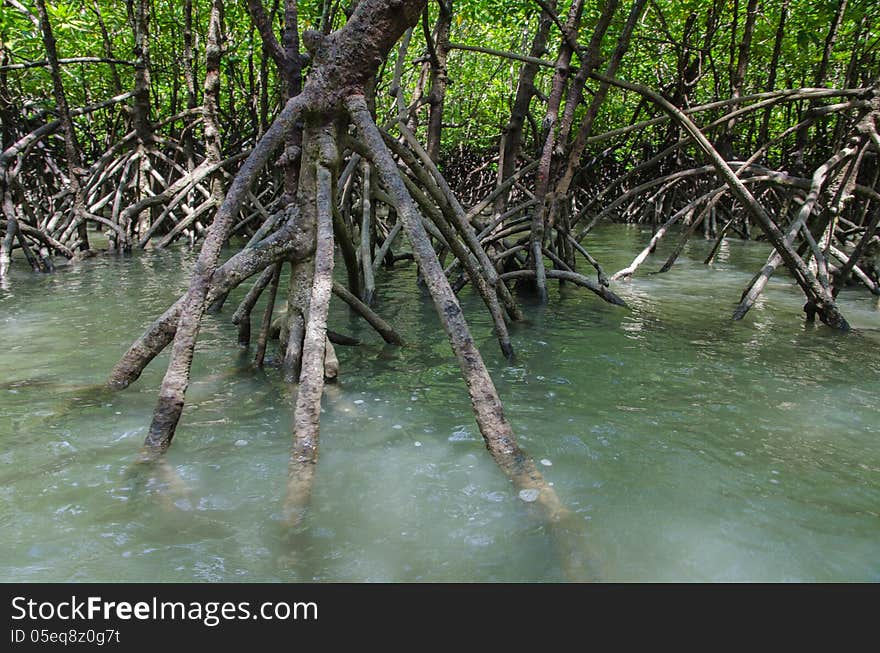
x=343 y=62
x=774 y=66
x=140 y=18
x=438 y=49
x=543 y=215
x=71 y=146
x=511 y=139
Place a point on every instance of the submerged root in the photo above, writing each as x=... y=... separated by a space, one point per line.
x=494 y=427
x=153 y=474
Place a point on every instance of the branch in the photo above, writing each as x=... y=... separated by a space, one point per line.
x=816 y=293
x=501 y=53
x=547 y=9
x=264 y=27
x=382 y=327
x=573 y=277
x=26 y=12
x=45 y=63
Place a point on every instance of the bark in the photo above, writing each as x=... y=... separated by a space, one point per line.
x=585 y=129
x=774 y=66
x=307 y=414
x=211 y=105
x=242 y=315
x=71 y=146
x=263 y=337
x=573 y=277
x=745 y=45
x=474 y=271
x=821 y=75
x=173 y=195
x=291 y=74
x=817 y=295
x=176 y=380
x=543 y=217
x=8 y=240
x=263 y=23
x=108 y=49
x=298 y=298
x=511 y=140
x=369 y=286
x=302 y=278
x=589 y=60
x=140 y=17
x=190 y=82
x=496 y=430
x=849 y=265
x=820 y=177
x=725 y=141
x=830 y=40
x=439 y=52
x=436 y=184
x=240 y=267
x=382 y=327
x=349 y=255
x=343 y=62
x=288 y=61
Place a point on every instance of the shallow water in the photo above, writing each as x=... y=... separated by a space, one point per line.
x=695 y=448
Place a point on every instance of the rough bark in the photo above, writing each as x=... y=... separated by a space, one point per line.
x=496 y=430
x=343 y=62
x=511 y=139
x=369 y=285
x=71 y=146
x=817 y=295
x=307 y=413
x=438 y=51
x=161 y=332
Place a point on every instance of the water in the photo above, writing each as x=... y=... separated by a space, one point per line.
x=695 y=448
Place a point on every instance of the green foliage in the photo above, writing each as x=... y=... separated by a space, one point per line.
x=482 y=86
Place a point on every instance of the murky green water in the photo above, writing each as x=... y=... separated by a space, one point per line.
x=696 y=448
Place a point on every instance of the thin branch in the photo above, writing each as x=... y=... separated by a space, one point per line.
x=502 y=53
x=44 y=63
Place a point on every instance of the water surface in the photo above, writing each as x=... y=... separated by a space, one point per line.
x=695 y=448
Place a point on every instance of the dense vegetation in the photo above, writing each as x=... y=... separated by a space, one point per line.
x=491 y=136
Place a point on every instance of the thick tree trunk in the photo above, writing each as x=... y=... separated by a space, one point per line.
x=343 y=62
